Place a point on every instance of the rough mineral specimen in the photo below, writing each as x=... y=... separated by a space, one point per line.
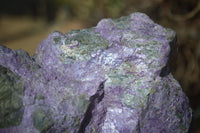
x=11 y=98
x=112 y=78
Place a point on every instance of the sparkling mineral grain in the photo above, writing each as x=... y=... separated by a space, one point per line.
x=112 y=78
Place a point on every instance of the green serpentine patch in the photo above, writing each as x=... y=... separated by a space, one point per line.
x=11 y=98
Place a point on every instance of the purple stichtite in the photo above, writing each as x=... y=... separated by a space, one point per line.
x=62 y=89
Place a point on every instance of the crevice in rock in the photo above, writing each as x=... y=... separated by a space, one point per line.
x=172 y=58
x=94 y=100
x=165 y=71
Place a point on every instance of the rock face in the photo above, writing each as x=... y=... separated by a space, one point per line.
x=11 y=98
x=112 y=78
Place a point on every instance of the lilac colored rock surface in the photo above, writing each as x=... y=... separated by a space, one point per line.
x=112 y=78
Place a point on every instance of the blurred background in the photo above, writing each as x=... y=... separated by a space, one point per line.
x=25 y=23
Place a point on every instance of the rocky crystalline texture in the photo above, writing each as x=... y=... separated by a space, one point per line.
x=112 y=78
x=11 y=99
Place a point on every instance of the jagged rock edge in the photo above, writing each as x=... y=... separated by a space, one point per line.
x=94 y=101
x=173 y=47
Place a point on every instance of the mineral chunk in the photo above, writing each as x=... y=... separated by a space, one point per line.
x=112 y=78
x=11 y=98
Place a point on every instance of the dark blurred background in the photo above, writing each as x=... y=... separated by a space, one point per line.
x=25 y=23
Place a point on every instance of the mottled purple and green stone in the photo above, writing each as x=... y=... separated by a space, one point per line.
x=54 y=91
